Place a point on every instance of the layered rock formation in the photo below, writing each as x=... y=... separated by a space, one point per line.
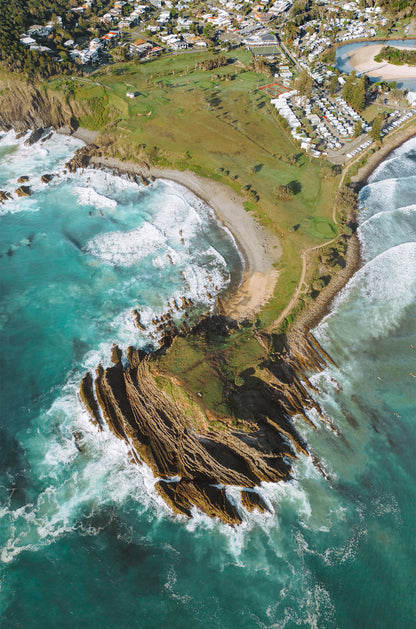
x=196 y=463
x=23 y=191
x=23 y=106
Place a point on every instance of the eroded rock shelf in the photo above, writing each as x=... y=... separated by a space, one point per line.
x=196 y=464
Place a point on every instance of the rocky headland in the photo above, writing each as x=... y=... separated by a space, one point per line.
x=193 y=451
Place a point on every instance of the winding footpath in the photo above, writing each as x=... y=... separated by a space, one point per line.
x=304 y=255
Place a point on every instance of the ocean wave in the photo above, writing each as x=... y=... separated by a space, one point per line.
x=88 y=196
x=107 y=183
x=126 y=248
x=385 y=230
x=399 y=164
x=385 y=196
x=381 y=292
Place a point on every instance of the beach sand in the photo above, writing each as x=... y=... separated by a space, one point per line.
x=259 y=248
x=362 y=59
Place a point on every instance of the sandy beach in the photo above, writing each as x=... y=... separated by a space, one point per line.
x=362 y=59
x=259 y=248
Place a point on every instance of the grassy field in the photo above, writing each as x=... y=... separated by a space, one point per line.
x=220 y=125
x=211 y=369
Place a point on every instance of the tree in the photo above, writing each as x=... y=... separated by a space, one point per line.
x=334 y=85
x=304 y=84
x=353 y=92
x=261 y=67
x=358 y=129
x=208 y=31
x=284 y=192
x=119 y=53
x=376 y=129
x=346 y=199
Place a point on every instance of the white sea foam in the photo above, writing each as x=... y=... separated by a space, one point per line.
x=104 y=180
x=398 y=163
x=377 y=197
x=385 y=196
x=88 y=196
x=381 y=291
x=126 y=248
x=387 y=229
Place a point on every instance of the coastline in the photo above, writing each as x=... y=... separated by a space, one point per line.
x=321 y=307
x=260 y=249
x=391 y=144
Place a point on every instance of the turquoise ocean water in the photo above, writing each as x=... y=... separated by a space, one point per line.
x=84 y=539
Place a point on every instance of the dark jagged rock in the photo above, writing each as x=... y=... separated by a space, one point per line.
x=23 y=179
x=34 y=137
x=251 y=500
x=116 y=354
x=138 y=321
x=23 y=191
x=46 y=178
x=4 y=195
x=81 y=158
x=47 y=137
x=182 y=495
x=88 y=399
x=78 y=441
x=143 y=180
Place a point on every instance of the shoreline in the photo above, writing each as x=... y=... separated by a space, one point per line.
x=259 y=249
x=391 y=144
x=322 y=306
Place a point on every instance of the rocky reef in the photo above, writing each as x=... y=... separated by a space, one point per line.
x=195 y=461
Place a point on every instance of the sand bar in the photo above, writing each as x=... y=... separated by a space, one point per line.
x=362 y=60
x=259 y=248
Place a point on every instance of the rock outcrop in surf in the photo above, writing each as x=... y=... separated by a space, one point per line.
x=195 y=463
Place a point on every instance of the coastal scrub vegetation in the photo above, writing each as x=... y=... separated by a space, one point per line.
x=396 y=56
x=346 y=200
x=399 y=8
x=354 y=91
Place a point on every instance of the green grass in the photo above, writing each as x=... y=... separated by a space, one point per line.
x=211 y=369
x=220 y=128
x=219 y=125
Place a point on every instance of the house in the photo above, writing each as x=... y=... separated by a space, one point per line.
x=163 y=17
x=38 y=30
x=27 y=41
x=140 y=46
